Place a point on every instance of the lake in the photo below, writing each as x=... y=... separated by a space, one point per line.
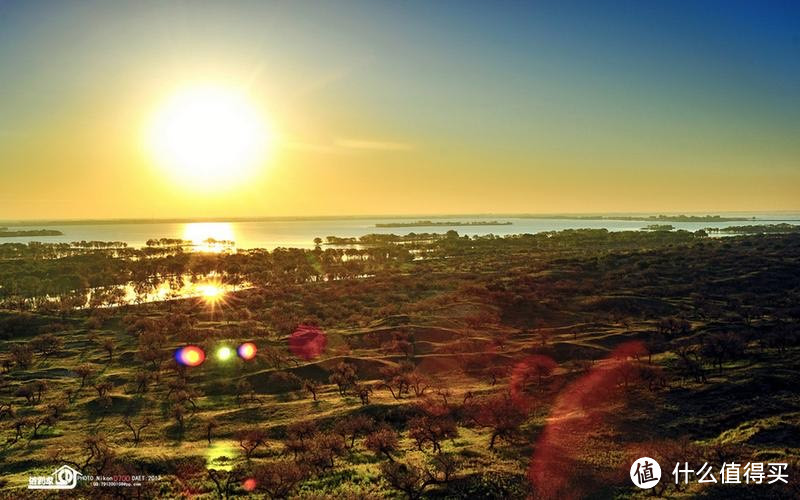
x=300 y=233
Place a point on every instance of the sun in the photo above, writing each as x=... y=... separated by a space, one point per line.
x=209 y=137
x=211 y=292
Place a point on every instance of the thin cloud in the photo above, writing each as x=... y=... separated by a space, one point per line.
x=373 y=145
x=346 y=146
x=309 y=146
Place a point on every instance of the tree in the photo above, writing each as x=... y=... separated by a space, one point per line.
x=301 y=430
x=245 y=392
x=535 y=366
x=137 y=428
x=22 y=355
x=363 y=392
x=431 y=429
x=344 y=376
x=278 y=479
x=413 y=480
x=142 y=379
x=653 y=376
x=311 y=386
x=109 y=346
x=46 y=420
x=382 y=442
x=41 y=386
x=496 y=371
x=7 y=410
x=224 y=481
x=322 y=450
x=688 y=363
x=249 y=440
x=396 y=379
x=502 y=415
x=418 y=384
x=99 y=455
x=103 y=387
x=179 y=414
x=28 y=392
x=47 y=344
x=351 y=428
x=83 y=372
x=19 y=425
x=719 y=347
x=181 y=393
x=211 y=424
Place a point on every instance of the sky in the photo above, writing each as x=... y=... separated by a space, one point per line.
x=406 y=107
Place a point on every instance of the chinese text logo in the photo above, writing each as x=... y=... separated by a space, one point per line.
x=645 y=473
x=63 y=478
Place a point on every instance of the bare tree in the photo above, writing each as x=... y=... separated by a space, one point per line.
x=431 y=429
x=224 y=481
x=278 y=479
x=211 y=424
x=47 y=344
x=109 y=346
x=84 y=372
x=502 y=415
x=382 y=442
x=22 y=354
x=137 y=428
x=344 y=376
x=350 y=428
x=413 y=480
x=312 y=387
x=249 y=440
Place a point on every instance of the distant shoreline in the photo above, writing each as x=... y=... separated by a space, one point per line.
x=428 y=223
x=597 y=217
x=4 y=233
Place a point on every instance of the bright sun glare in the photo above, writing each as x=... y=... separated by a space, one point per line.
x=210 y=237
x=209 y=137
x=212 y=293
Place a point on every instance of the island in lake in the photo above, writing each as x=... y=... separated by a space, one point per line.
x=5 y=233
x=428 y=223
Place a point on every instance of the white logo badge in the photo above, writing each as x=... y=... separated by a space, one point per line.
x=645 y=473
x=63 y=478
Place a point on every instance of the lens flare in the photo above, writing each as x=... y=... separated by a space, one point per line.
x=307 y=342
x=191 y=355
x=249 y=484
x=224 y=353
x=247 y=351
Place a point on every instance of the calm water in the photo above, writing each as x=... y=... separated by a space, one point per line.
x=301 y=233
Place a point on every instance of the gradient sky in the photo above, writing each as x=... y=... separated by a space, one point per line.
x=410 y=107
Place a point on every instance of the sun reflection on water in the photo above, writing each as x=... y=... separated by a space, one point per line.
x=210 y=237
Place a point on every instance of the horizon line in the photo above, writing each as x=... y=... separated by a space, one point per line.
x=161 y=220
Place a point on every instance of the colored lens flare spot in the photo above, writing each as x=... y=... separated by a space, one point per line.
x=190 y=355
x=224 y=353
x=249 y=484
x=307 y=342
x=247 y=351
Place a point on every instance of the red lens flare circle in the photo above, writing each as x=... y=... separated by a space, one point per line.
x=249 y=484
x=307 y=342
